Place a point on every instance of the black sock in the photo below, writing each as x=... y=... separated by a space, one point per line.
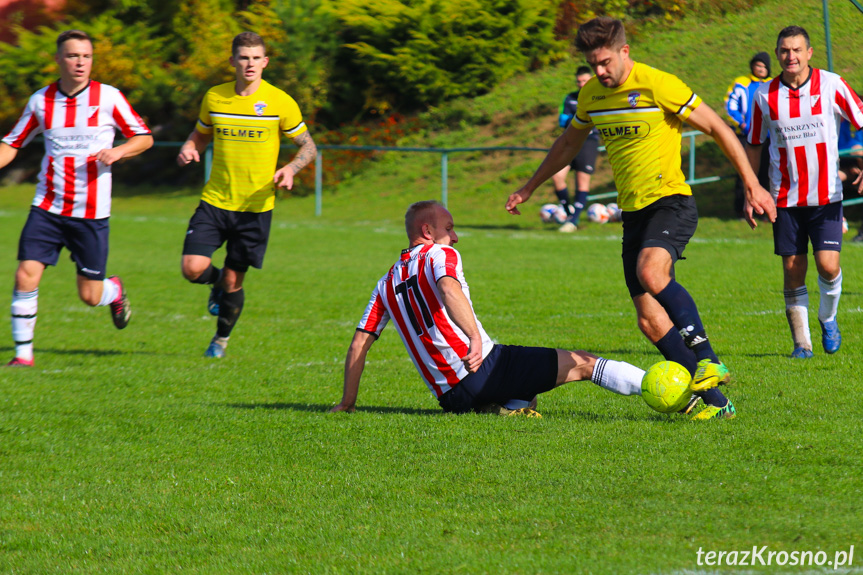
x=681 y=309
x=210 y=276
x=672 y=348
x=563 y=198
x=229 y=312
x=578 y=205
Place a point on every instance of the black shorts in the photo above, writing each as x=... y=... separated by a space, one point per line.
x=667 y=223
x=794 y=228
x=246 y=233
x=585 y=160
x=45 y=234
x=507 y=372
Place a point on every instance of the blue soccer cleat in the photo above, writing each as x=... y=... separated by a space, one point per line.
x=801 y=353
x=215 y=350
x=831 y=339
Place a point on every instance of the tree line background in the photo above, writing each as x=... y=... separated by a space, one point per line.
x=343 y=61
x=358 y=68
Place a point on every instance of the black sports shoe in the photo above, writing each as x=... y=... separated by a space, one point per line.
x=121 y=311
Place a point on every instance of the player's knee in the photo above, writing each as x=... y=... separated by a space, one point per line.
x=192 y=272
x=26 y=279
x=89 y=297
x=652 y=282
x=828 y=270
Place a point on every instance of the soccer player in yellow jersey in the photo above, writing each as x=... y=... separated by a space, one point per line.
x=244 y=120
x=639 y=112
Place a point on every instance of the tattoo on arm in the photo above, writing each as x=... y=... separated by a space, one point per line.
x=307 y=152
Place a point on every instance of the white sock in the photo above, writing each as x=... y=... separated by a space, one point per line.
x=617 y=376
x=830 y=291
x=797 y=312
x=24 y=306
x=110 y=292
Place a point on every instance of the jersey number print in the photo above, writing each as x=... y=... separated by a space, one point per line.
x=412 y=283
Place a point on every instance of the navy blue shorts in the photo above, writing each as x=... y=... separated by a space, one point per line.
x=794 y=227
x=668 y=223
x=507 y=372
x=246 y=233
x=585 y=160
x=45 y=234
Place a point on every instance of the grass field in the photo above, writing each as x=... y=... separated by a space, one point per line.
x=127 y=452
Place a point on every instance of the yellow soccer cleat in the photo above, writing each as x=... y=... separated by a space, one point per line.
x=497 y=409
x=708 y=375
x=524 y=412
x=713 y=412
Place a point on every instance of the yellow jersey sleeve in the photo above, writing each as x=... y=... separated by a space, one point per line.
x=640 y=123
x=673 y=96
x=246 y=133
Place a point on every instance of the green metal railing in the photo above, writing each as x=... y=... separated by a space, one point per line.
x=444 y=164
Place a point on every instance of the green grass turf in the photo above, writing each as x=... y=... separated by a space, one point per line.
x=126 y=452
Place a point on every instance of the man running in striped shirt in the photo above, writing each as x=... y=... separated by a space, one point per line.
x=78 y=118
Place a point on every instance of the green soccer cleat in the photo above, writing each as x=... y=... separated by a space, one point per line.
x=713 y=412
x=708 y=375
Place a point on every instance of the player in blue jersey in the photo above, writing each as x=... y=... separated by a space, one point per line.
x=584 y=163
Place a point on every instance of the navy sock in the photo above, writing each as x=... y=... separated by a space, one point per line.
x=714 y=397
x=672 y=348
x=563 y=198
x=230 y=307
x=579 y=204
x=210 y=276
x=681 y=309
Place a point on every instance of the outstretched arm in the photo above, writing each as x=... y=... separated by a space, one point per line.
x=355 y=362
x=459 y=310
x=284 y=178
x=561 y=154
x=759 y=199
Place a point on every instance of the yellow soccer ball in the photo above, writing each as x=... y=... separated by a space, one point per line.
x=665 y=387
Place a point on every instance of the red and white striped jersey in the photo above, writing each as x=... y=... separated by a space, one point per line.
x=408 y=294
x=71 y=182
x=803 y=128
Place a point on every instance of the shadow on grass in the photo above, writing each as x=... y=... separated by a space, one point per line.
x=94 y=352
x=317 y=407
